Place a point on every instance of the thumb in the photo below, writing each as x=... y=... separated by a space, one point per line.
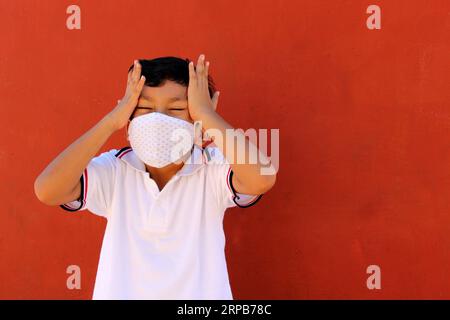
x=215 y=100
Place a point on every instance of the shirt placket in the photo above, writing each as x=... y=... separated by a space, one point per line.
x=157 y=216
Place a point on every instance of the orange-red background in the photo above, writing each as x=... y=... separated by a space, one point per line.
x=364 y=119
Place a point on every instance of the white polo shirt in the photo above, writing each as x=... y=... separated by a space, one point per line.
x=166 y=244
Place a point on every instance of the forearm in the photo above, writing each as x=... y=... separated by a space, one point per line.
x=63 y=173
x=247 y=173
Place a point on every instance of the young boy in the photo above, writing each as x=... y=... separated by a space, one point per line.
x=164 y=237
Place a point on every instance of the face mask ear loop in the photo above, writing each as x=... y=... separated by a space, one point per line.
x=198 y=138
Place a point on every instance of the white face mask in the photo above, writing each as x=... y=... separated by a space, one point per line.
x=158 y=139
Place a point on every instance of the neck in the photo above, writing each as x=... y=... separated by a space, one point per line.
x=164 y=174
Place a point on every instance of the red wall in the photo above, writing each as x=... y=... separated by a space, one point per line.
x=364 y=119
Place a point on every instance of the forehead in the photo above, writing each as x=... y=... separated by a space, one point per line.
x=166 y=91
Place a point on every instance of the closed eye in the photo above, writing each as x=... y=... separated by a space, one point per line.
x=149 y=108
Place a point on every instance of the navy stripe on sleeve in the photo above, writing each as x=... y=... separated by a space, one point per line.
x=80 y=199
x=236 y=196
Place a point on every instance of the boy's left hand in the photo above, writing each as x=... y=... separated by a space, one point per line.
x=199 y=101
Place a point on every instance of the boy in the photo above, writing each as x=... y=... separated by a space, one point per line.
x=164 y=236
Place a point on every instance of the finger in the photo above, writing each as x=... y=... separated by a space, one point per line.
x=130 y=73
x=200 y=64
x=192 y=74
x=206 y=69
x=205 y=75
x=133 y=75
x=137 y=89
x=141 y=84
x=136 y=71
x=133 y=71
x=215 y=100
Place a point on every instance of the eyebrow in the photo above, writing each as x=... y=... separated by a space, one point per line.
x=170 y=100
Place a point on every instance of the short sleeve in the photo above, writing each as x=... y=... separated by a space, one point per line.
x=224 y=191
x=97 y=185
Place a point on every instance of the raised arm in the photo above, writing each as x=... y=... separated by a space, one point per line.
x=59 y=182
x=247 y=177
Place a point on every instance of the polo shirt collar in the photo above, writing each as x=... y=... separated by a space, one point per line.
x=195 y=161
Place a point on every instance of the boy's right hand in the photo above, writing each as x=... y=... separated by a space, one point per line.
x=120 y=115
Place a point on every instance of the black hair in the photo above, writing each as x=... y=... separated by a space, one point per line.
x=156 y=71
